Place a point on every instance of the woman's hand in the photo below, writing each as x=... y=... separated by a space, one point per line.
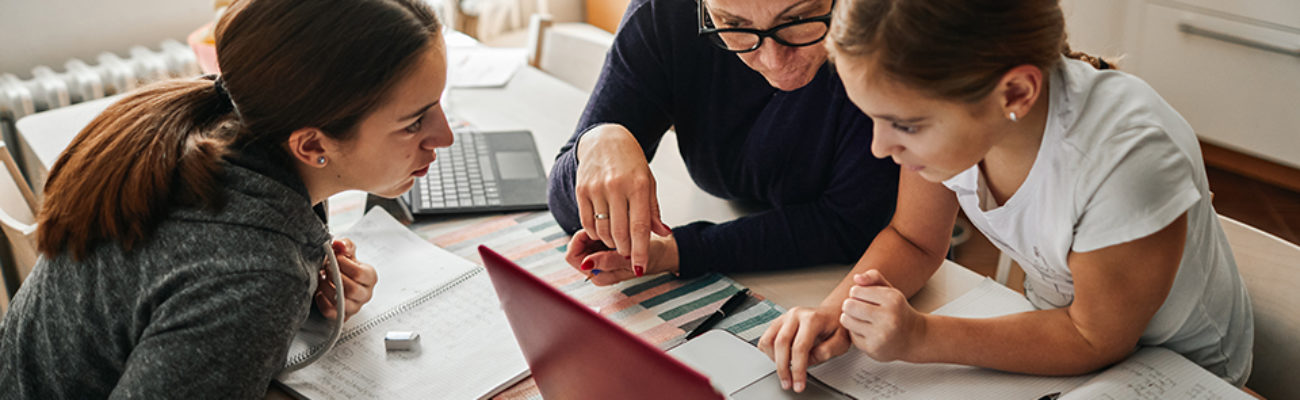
x=879 y=319
x=615 y=193
x=358 y=282
x=604 y=266
x=801 y=338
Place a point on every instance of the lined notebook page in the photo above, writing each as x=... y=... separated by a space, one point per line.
x=406 y=263
x=858 y=375
x=1156 y=373
x=466 y=346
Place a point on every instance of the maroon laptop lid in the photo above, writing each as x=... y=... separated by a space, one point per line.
x=575 y=353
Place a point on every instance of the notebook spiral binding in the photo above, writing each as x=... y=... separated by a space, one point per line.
x=401 y=308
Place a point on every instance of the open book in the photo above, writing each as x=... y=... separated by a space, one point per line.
x=1151 y=373
x=466 y=349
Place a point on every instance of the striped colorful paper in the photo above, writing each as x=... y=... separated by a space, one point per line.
x=654 y=307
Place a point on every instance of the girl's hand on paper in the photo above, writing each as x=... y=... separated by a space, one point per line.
x=605 y=266
x=615 y=193
x=801 y=338
x=359 y=281
x=879 y=319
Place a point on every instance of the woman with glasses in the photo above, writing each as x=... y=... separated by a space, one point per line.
x=760 y=117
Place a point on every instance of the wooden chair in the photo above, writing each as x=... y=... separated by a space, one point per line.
x=485 y=20
x=574 y=52
x=18 y=208
x=1270 y=267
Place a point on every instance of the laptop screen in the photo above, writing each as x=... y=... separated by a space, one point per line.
x=575 y=353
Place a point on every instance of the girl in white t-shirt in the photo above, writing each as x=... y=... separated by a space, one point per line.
x=1084 y=176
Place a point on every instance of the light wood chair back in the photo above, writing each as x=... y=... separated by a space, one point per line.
x=1270 y=268
x=18 y=208
x=574 y=52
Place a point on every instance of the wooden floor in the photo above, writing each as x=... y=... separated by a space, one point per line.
x=1270 y=208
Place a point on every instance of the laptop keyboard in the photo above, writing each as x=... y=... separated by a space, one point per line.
x=462 y=176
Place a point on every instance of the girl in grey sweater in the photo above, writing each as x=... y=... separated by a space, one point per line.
x=182 y=236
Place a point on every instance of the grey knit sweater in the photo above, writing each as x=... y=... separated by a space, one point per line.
x=205 y=308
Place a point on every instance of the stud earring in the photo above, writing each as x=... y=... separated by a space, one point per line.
x=321 y=160
x=1013 y=117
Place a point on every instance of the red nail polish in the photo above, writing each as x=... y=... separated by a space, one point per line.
x=586 y=265
x=627 y=257
x=638 y=270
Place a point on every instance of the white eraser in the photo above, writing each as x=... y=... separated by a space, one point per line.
x=401 y=340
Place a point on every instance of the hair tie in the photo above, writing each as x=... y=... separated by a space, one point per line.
x=223 y=97
x=220 y=87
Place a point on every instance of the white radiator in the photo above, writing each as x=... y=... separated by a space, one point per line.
x=79 y=82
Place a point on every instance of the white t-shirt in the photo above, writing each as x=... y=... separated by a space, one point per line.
x=1118 y=164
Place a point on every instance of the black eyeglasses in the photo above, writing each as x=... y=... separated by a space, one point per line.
x=799 y=33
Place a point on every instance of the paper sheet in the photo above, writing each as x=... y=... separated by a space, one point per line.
x=466 y=346
x=986 y=300
x=858 y=375
x=455 y=38
x=1156 y=373
x=345 y=209
x=406 y=264
x=470 y=67
x=862 y=377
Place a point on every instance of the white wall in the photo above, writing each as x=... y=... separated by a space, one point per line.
x=1096 y=27
x=49 y=32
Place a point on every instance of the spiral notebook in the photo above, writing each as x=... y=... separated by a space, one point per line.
x=466 y=349
x=1150 y=373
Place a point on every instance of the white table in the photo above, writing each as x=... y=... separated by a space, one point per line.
x=43 y=136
